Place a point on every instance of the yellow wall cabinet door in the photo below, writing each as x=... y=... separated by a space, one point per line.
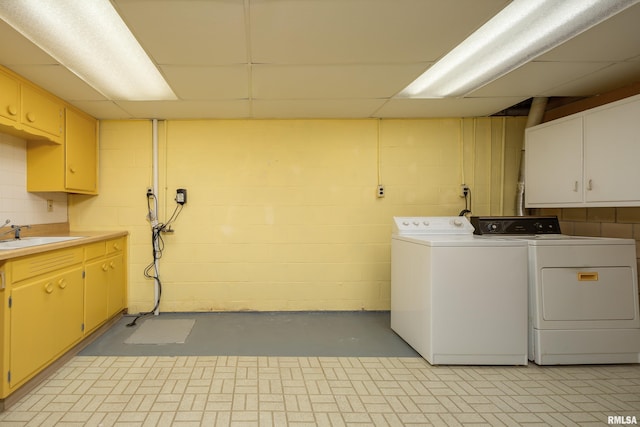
x=81 y=171
x=42 y=113
x=29 y=112
x=9 y=100
x=71 y=167
x=46 y=319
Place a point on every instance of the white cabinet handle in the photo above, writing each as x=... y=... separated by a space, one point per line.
x=575 y=186
x=590 y=185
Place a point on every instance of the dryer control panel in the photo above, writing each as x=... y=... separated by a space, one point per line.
x=426 y=225
x=516 y=225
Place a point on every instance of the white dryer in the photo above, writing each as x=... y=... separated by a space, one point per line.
x=456 y=298
x=583 y=292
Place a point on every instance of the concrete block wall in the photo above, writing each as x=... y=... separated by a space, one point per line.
x=283 y=214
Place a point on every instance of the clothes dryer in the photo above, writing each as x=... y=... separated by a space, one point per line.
x=583 y=292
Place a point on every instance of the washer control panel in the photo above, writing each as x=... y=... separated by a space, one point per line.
x=516 y=225
x=432 y=225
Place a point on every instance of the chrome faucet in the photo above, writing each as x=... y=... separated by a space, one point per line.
x=15 y=229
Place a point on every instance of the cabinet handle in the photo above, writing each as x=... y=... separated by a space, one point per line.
x=588 y=277
x=72 y=169
x=12 y=110
x=590 y=185
x=112 y=265
x=62 y=283
x=31 y=117
x=116 y=246
x=575 y=186
x=104 y=267
x=48 y=287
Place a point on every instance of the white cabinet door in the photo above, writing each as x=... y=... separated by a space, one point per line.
x=553 y=156
x=612 y=152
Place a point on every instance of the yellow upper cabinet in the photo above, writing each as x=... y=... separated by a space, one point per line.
x=42 y=114
x=70 y=167
x=28 y=111
x=9 y=100
x=62 y=149
x=81 y=152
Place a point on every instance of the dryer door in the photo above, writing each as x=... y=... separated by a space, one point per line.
x=583 y=294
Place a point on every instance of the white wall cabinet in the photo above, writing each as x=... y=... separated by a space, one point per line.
x=586 y=159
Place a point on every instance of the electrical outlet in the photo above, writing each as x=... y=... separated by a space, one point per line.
x=380 y=191
x=464 y=190
x=149 y=191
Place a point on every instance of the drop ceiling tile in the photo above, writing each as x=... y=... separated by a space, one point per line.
x=213 y=83
x=449 y=107
x=59 y=81
x=188 y=32
x=17 y=50
x=534 y=78
x=613 y=77
x=616 y=39
x=331 y=81
x=105 y=110
x=362 y=31
x=187 y=109
x=309 y=109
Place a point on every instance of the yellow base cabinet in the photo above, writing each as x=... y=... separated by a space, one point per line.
x=104 y=282
x=45 y=305
x=52 y=300
x=46 y=319
x=95 y=291
x=116 y=276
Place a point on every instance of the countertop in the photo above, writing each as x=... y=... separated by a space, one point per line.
x=86 y=237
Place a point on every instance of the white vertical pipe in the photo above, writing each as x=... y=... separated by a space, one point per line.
x=156 y=293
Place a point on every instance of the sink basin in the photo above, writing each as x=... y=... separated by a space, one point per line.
x=27 y=242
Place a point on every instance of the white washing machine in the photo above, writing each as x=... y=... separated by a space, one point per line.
x=455 y=298
x=583 y=292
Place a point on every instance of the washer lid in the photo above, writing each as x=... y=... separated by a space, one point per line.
x=429 y=225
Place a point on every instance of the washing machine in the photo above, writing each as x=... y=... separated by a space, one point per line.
x=455 y=298
x=583 y=292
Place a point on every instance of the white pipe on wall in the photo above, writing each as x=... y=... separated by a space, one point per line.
x=156 y=292
x=536 y=113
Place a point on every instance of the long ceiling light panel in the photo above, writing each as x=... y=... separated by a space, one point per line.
x=89 y=38
x=522 y=31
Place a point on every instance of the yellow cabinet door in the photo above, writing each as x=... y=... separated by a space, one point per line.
x=116 y=297
x=46 y=318
x=95 y=296
x=81 y=152
x=9 y=98
x=42 y=112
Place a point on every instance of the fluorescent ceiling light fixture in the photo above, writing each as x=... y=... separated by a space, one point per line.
x=89 y=38
x=522 y=31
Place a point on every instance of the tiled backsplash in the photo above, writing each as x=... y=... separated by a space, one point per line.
x=16 y=204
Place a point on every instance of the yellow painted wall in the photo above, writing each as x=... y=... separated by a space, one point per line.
x=282 y=214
